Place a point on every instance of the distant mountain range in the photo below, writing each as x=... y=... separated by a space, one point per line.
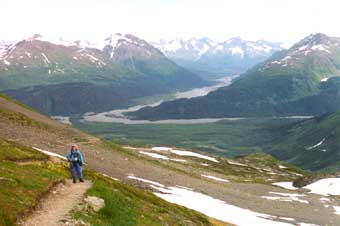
x=303 y=80
x=60 y=77
x=212 y=59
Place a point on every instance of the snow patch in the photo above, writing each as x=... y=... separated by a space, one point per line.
x=161 y=149
x=285 y=185
x=62 y=119
x=184 y=153
x=49 y=153
x=324 y=79
x=286 y=197
x=215 y=178
x=237 y=51
x=145 y=181
x=337 y=209
x=154 y=155
x=193 y=154
x=113 y=178
x=94 y=59
x=324 y=199
x=316 y=145
x=179 y=160
x=320 y=48
x=46 y=60
x=307 y=224
x=327 y=186
x=303 y=47
x=231 y=162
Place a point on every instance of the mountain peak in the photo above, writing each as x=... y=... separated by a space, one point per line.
x=318 y=38
x=122 y=46
x=314 y=41
x=117 y=39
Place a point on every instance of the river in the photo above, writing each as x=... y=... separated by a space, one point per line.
x=117 y=116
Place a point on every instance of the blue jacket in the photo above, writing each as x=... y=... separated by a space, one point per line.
x=74 y=156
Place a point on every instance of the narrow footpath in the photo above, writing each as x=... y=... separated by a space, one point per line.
x=56 y=206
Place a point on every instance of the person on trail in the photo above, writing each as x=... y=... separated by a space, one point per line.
x=76 y=161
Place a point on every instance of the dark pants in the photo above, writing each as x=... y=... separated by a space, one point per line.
x=76 y=170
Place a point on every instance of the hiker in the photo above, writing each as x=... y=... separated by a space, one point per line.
x=76 y=161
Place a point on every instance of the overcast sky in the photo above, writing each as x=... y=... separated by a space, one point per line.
x=274 y=20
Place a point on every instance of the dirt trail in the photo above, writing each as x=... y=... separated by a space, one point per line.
x=58 y=204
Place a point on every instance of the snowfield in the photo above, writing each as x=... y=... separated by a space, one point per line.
x=212 y=207
x=328 y=186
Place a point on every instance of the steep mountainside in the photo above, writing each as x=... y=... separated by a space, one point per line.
x=122 y=68
x=303 y=80
x=213 y=59
x=312 y=144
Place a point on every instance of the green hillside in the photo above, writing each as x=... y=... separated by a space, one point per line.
x=312 y=144
x=27 y=176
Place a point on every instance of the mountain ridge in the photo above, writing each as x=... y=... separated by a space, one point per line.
x=287 y=84
x=125 y=69
x=205 y=56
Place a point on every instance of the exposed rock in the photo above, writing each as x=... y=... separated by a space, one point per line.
x=94 y=203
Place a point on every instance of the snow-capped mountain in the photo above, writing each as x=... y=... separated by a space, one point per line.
x=191 y=49
x=122 y=47
x=54 y=52
x=206 y=56
x=242 y=48
x=55 y=56
x=120 y=68
x=303 y=80
x=317 y=51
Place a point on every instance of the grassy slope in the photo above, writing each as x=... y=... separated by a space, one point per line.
x=23 y=185
x=15 y=101
x=225 y=138
x=294 y=146
x=127 y=206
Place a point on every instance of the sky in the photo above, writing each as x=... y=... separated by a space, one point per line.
x=285 y=21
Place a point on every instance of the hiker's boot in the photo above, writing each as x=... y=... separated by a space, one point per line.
x=74 y=181
x=81 y=180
